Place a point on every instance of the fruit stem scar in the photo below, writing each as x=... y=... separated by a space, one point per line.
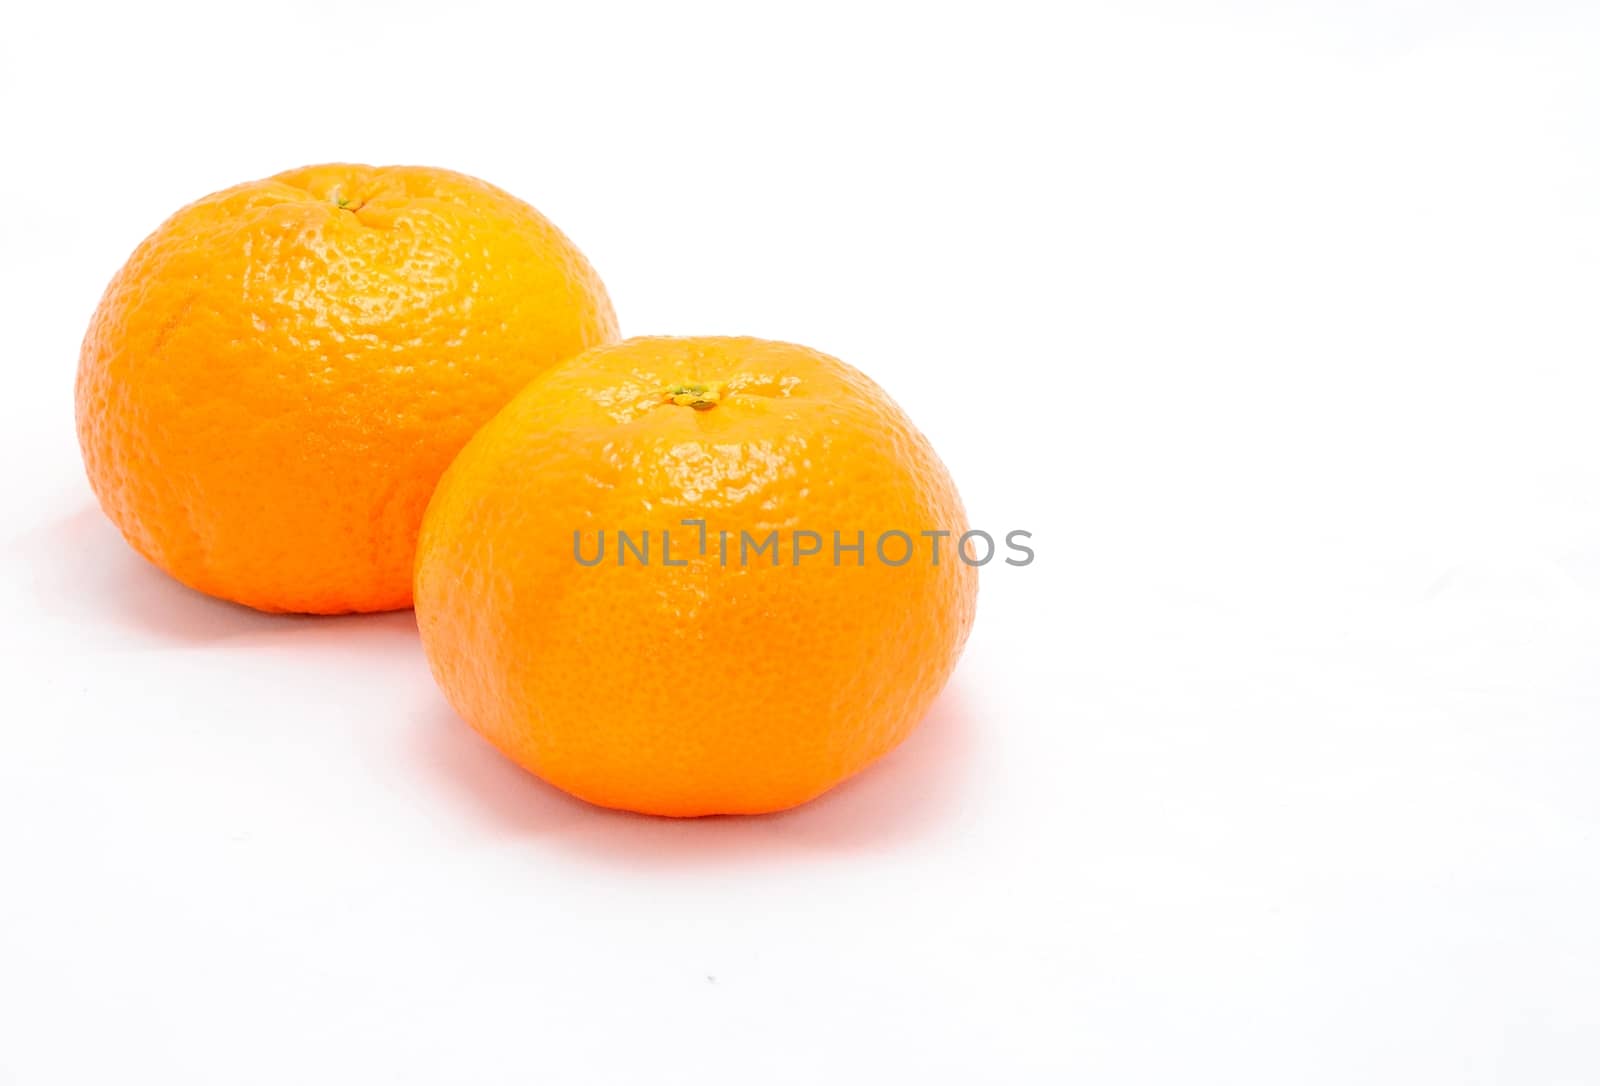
x=701 y=397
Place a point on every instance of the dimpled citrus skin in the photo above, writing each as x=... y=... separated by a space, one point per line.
x=273 y=383
x=703 y=688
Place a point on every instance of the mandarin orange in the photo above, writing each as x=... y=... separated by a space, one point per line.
x=630 y=583
x=274 y=381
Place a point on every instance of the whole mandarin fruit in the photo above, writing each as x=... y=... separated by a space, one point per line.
x=705 y=668
x=273 y=383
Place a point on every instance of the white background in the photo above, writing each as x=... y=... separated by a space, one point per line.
x=1274 y=322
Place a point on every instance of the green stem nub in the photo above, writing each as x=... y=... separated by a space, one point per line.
x=700 y=397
